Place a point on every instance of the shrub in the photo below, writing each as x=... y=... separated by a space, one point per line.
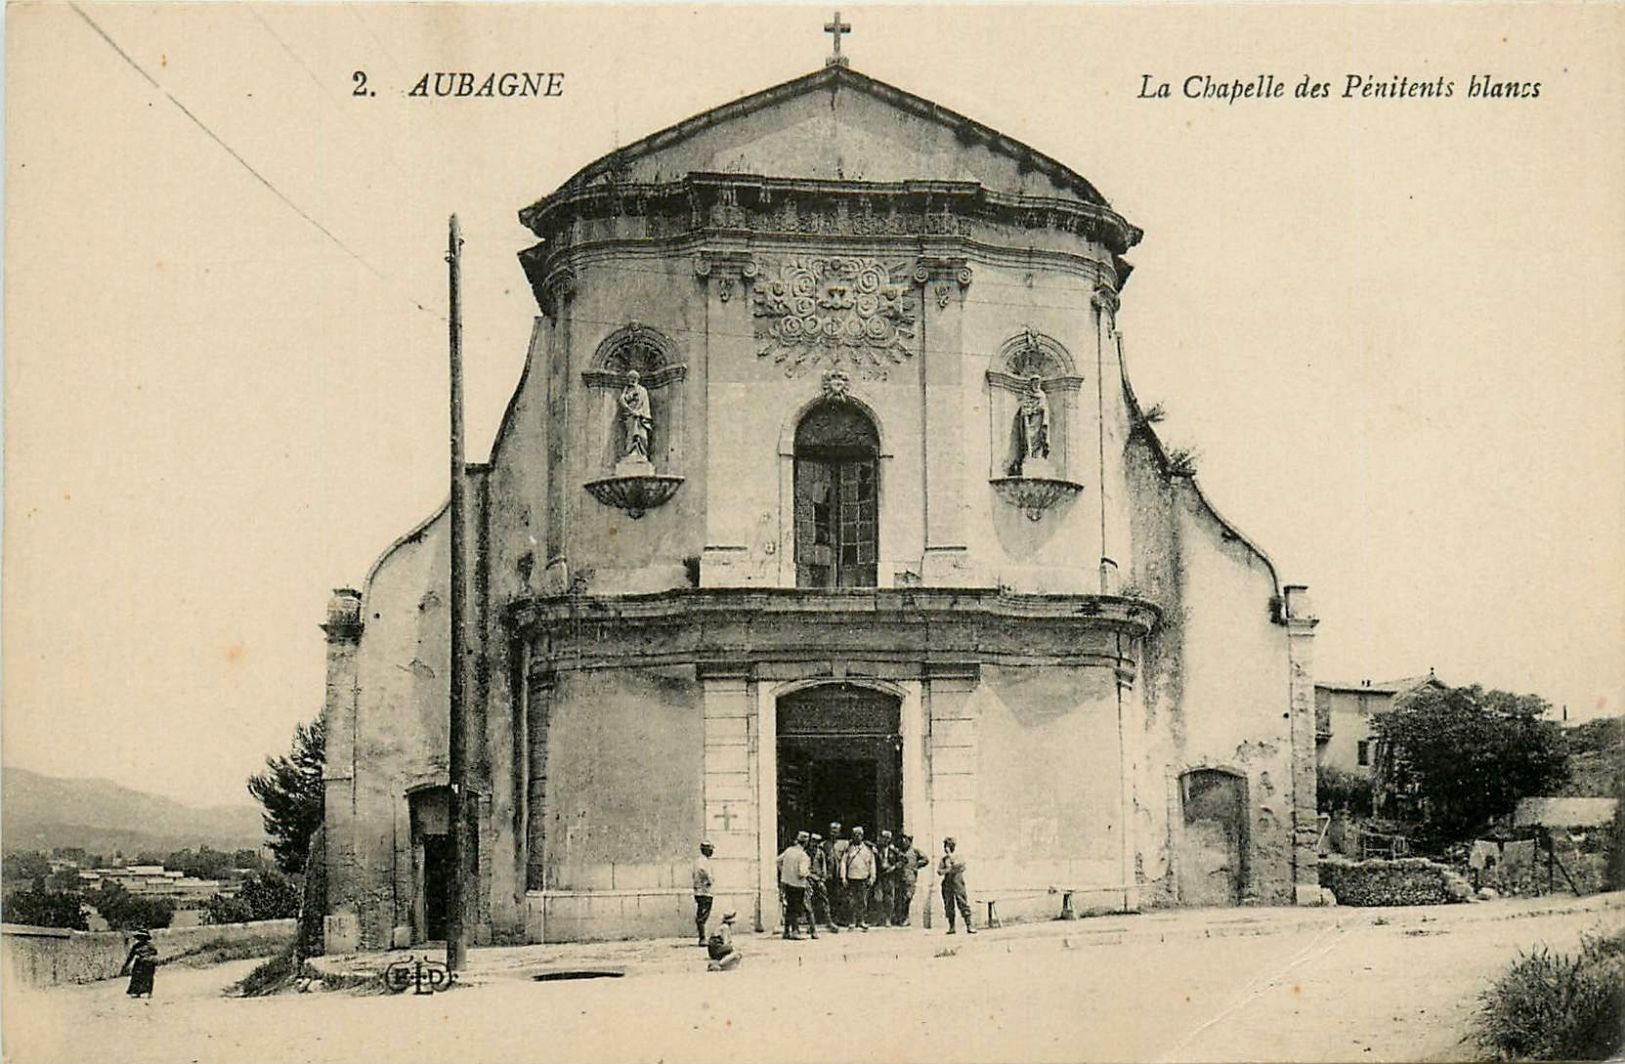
x=1337 y=789
x=46 y=908
x=220 y=909
x=1557 y=1006
x=124 y=911
x=271 y=896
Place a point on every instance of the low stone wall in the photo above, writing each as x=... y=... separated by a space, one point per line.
x=1405 y=881
x=46 y=956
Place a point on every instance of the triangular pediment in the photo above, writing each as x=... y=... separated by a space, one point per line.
x=839 y=125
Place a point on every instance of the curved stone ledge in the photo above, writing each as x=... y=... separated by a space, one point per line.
x=1034 y=495
x=635 y=494
x=911 y=629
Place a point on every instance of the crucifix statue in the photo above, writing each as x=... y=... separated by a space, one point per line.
x=835 y=29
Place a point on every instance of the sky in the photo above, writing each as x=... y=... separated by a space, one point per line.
x=1392 y=328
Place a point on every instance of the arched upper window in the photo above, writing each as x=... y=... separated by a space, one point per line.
x=837 y=497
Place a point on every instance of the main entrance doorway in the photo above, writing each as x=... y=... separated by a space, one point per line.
x=840 y=757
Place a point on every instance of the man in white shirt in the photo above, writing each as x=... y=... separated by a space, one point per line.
x=859 y=866
x=794 y=865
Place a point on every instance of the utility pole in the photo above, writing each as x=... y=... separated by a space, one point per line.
x=456 y=933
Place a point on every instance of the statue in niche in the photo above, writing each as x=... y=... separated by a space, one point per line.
x=637 y=417
x=1031 y=457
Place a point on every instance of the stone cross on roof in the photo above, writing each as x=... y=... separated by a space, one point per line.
x=835 y=29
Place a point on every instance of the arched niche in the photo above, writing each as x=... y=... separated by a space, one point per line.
x=1023 y=357
x=636 y=348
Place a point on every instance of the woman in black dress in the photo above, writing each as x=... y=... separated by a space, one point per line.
x=141 y=963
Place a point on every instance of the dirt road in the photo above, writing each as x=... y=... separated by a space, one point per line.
x=1363 y=985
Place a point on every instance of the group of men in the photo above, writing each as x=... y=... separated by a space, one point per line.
x=847 y=882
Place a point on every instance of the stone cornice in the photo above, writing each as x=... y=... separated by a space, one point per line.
x=747 y=204
x=700 y=626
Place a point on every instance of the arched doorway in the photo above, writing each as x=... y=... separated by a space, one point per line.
x=429 y=812
x=1212 y=859
x=840 y=757
x=837 y=494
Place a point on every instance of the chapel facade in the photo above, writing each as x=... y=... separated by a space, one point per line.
x=823 y=496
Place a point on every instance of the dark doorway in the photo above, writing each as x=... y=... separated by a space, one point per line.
x=1213 y=852
x=840 y=758
x=431 y=859
x=436 y=878
x=837 y=497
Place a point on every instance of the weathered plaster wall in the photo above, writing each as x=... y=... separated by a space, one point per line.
x=1047 y=781
x=396 y=738
x=1215 y=679
x=623 y=809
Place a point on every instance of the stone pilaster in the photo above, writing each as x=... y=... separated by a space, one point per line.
x=725 y=270
x=733 y=789
x=1298 y=615
x=341 y=927
x=538 y=715
x=1130 y=729
x=952 y=753
x=944 y=279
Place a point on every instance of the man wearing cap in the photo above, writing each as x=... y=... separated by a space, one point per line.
x=858 y=869
x=818 y=877
x=724 y=958
x=794 y=866
x=885 y=894
x=834 y=854
x=952 y=870
x=910 y=861
x=702 y=889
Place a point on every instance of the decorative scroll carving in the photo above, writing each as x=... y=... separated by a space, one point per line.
x=814 y=309
x=559 y=286
x=726 y=268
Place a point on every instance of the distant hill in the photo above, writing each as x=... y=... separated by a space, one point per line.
x=41 y=812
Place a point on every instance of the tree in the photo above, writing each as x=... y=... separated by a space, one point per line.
x=220 y=909
x=46 y=908
x=290 y=789
x=1457 y=758
x=202 y=863
x=124 y=911
x=24 y=868
x=270 y=897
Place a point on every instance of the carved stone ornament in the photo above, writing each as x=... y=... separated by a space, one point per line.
x=1034 y=495
x=837 y=385
x=816 y=310
x=636 y=494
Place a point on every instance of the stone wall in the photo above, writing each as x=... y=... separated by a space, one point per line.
x=48 y=956
x=1406 y=881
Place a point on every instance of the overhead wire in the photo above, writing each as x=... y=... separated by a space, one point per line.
x=246 y=165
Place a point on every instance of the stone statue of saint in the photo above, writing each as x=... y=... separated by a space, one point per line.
x=637 y=417
x=1032 y=427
